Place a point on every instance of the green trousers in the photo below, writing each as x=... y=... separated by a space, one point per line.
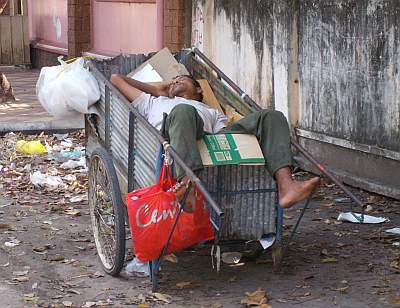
x=183 y=127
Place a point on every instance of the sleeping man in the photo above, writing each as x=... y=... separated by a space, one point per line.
x=189 y=119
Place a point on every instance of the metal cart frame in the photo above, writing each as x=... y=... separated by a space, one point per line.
x=125 y=153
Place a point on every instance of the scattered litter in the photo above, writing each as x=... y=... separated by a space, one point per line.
x=349 y=217
x=267 y=240
x=72 y=164
x=231 y=257
x=77 y=153
x=61 y=136
x=69 y=178
x=393 y=230
x=72 y=212
x=30 y=147
x=39 y=179
x=79 y=198
x=396 y=244
x=342 y=200
x=135 y=267
x=12 y=243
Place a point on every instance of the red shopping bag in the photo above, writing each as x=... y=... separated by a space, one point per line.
x=152 y=212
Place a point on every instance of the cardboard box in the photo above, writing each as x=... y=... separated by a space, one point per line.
x=230 y=149
x=164 y=63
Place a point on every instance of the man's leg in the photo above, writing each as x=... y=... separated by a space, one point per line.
x=272 y=131
x=183 y=127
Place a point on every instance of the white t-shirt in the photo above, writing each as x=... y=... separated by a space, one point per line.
x=152 y=109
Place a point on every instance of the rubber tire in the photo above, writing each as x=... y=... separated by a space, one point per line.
x=119 y=211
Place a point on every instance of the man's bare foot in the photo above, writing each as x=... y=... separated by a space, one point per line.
x=292 y=192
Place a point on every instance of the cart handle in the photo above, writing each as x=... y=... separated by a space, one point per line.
x=246 y=98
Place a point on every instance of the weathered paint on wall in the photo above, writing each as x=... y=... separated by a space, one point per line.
x=332 y=67
x=349 y=66
x=237 y=36
x=124 y=28
x=48 y=22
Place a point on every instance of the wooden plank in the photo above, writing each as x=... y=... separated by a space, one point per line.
x=26 y=42
x=25 y=27
x=17 y=40
x=5 y=40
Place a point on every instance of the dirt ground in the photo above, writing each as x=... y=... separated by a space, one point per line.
x=53 y=260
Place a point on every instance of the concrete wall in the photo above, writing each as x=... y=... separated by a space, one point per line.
x=237 y=35
x=123 y=27
x=331 y=66
x=349 y=66
x=48 y=22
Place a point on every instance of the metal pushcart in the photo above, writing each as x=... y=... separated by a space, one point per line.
x=125 y=153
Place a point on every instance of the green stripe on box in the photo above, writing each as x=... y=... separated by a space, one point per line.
x=223 y=150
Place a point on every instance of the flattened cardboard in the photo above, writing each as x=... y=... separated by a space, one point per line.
x=208 y=95
x=230 y=149
x=165 y=65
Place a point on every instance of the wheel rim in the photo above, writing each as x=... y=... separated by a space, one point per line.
x=102 y=212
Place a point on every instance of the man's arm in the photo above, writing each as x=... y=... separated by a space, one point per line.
x=132 y=88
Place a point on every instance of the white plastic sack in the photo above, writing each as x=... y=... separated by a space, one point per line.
x=66 y=89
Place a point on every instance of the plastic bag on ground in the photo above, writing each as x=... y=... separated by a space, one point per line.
x=138 y=268
x=39 y=179
x=66 y=89
x=72 y=164
x=30 y=147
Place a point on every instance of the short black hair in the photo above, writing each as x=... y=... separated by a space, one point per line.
x=194 y=81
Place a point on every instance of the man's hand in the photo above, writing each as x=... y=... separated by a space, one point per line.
x=132 y=88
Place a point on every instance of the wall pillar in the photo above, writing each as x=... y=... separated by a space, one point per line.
x=79 y=27
x=177 y=24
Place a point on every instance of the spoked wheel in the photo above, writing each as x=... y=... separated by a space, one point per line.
x=107 y=212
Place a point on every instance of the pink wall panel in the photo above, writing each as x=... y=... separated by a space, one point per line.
x=123 y=28
x=48 y=22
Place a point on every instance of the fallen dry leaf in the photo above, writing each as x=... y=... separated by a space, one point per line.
x=20 y=273
x=57 y=258
x=30 y=297
x=162 y=297
x=341 y=290
x=21 y=279
x=395 y=264
x=171 y=258
x=257 y=298
x=329 y=260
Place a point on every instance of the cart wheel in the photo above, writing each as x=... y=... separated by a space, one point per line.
x=277 y=256
x=107 y=212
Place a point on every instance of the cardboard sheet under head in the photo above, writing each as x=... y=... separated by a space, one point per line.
x=165 y=65
x=230 y=149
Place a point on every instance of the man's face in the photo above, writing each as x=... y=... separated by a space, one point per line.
x=183 y=86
